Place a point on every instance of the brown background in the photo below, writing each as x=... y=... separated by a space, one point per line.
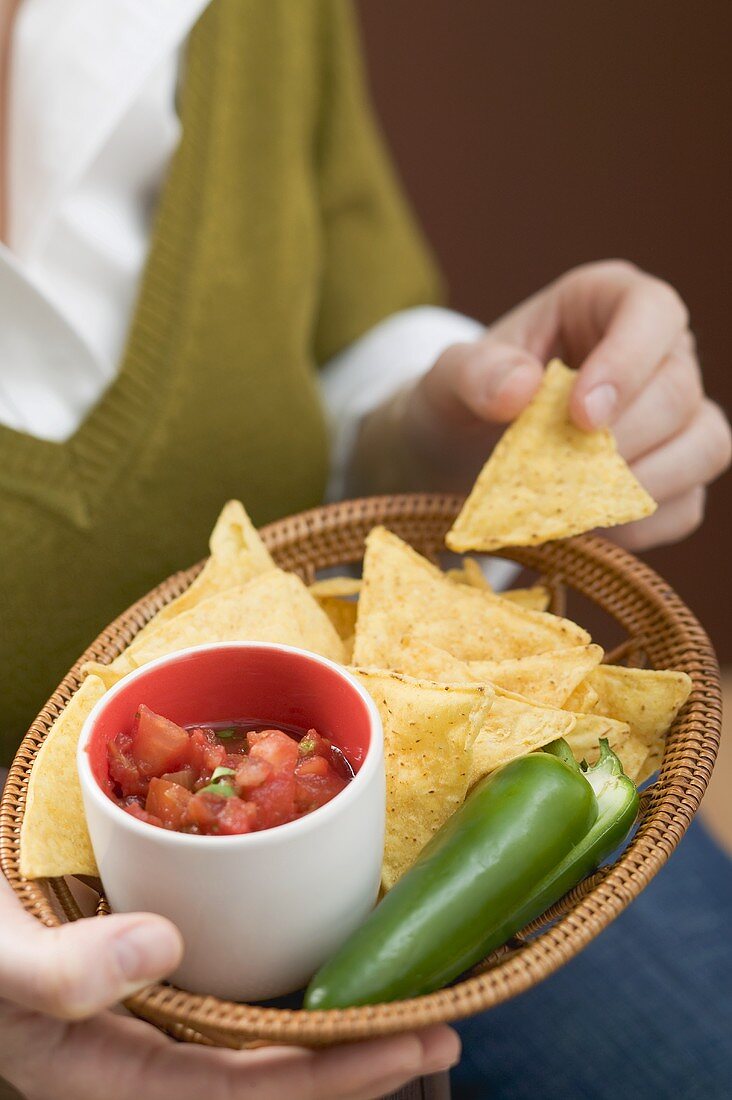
x=533 y=136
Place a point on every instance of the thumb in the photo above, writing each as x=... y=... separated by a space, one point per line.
x=488 y=379
x=77 y=969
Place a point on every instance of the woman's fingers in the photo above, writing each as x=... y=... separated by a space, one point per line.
x=693 y=458
x=675 y=474
x=124 y=1059
x=77 y=969
x=637 y=320
x=439 y=431
x=486 y=381
x=363 y=1070
x=673 y=521
x=665 y=407
x=56 y=975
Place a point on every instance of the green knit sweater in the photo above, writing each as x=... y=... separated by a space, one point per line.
x=280 y=237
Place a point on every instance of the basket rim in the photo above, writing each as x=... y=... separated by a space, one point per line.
x=674 y=800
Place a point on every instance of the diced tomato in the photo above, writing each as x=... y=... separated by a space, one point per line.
x=313 y=791
x=313 y=744
x=211 y=814
x=167 y=801
x=237 y=816
x=196 y=747
x=135 y=809
x=122 y=768
x=252 y=772
x=160 y=772
x=275 y=800
x=316 y=782
x=158 y=745
x=214 y=757
x=205 y=754
x=313 y=765
x=186 y=777
x=202 y=812
x=276 y=748
x=253 y=736
x=234 y=759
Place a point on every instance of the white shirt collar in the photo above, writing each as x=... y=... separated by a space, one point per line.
x=85 y=62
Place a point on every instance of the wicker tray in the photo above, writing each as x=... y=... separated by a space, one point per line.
x=656 y=622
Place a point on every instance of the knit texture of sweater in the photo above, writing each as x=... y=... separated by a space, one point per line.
x=280 y=237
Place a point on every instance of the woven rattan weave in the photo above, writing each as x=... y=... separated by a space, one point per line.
x=654 y=619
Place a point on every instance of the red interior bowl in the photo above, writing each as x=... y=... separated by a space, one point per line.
x=239 y=681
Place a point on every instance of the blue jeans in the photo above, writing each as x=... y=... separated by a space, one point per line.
x=644 y=1013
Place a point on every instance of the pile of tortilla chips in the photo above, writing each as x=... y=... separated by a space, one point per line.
x=465 y=679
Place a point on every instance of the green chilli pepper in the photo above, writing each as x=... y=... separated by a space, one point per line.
x=617 y=809
x=467 y=892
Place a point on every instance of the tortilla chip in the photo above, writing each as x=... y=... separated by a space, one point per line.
x=109 y=674
x=470 y=573
x=336 y=586
x=418 y=658
x=234 y=534
x=633 y=756
x=537 y=597
x=584 y=741
x=404 y=594
x=514 y=727
x=331 y=593
x=429 y=730
x=237 y=556
x=653 y=761
x=583 y=699
x=547 y=678
x=342 y=613
x=274 y=607
x=647 y=699
x=53 y=837
x=548 y=479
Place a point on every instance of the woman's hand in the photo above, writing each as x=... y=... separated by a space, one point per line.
x=57 y=1043
x=627 y=333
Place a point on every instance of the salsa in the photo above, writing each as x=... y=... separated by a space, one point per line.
x=221 y=780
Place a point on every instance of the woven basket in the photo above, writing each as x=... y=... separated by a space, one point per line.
x=655 y=621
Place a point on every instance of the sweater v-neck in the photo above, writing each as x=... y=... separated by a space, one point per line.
x=70 y=477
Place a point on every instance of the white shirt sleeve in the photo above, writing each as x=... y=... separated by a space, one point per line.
x=395 y=352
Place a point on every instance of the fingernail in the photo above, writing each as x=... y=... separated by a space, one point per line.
x=498 y=378
x=147 y=951
x=600 y=404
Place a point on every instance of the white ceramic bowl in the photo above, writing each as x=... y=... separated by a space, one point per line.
x=260 y=912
